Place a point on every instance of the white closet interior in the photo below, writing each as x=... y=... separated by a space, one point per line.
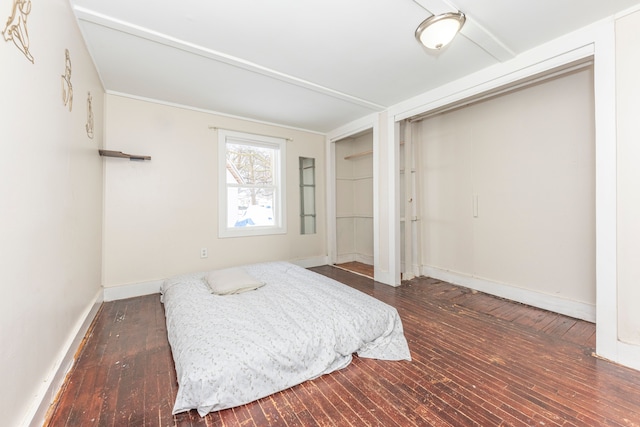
x=354 y=198
x=504 y=191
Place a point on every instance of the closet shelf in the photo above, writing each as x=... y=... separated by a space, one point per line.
x=363 y=153
x=356 y=155
x=120 y=154
x=355 y=178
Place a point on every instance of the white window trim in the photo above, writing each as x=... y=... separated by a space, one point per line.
x=279 y=206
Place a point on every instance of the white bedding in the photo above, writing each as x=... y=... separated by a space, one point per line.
x=233 y=349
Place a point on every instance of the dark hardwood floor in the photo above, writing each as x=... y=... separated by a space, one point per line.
x=477 y=360
x=357 y=267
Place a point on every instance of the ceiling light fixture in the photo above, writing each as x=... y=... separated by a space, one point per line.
x=437 y=31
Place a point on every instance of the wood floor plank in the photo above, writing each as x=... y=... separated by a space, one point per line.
x=347 y=414
x=477 y=360
x=457 y=383
x=289 y=417
x=321 y=408
x=374 y=398
x=299 y=406
x=357 y=267
x=243 y=417
x=581 y=333
x=270 y=412
x=358 y=403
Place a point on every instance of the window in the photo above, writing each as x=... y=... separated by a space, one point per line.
x=251 y=184
x=307 y=195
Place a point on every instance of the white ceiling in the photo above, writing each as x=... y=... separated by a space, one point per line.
x=309 y=64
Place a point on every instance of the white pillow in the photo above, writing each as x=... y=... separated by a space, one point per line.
x=231 y=281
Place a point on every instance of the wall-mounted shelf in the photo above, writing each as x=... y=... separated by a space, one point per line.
x=120 y=154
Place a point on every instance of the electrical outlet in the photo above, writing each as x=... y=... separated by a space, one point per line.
x=204 y=253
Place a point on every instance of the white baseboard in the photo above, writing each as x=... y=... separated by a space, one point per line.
x=342 y=258
x=131 y=290
x=49 y=389
x=114 y=293
x=311 y=262
x=365 y=259
x=576 y=309
x=351 y=257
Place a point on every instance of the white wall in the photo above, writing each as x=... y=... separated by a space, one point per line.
x=528 y=157
x=50 y=205
x=159 y=213
x=628 y=176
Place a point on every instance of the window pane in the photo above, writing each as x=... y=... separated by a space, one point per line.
x=250 y=207
x=309 y=200
x=308 y=176
x=307 y=195
x=306 y=162
x=309 y=225
x=251 y=176
x=249 y=164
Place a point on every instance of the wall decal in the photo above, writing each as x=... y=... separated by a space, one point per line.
x=67 y=88
x=16 y=28
x=89 y=125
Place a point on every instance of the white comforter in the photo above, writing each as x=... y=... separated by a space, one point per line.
x=234 y=349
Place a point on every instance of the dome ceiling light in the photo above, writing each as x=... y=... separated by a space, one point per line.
x=438 y=31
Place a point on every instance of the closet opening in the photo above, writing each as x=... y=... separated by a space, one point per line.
x=501 y=189
x=354 y=203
